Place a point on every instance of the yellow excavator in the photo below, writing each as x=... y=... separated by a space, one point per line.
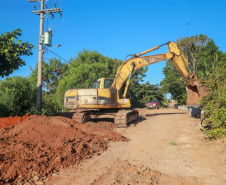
x=107 y=97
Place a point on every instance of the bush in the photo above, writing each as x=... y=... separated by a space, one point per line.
x=3 y=111
x=214 y=103
x=49 y=102
x=17 y=96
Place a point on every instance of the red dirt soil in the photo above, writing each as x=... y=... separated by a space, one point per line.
x=9 y=121
x=42 y=145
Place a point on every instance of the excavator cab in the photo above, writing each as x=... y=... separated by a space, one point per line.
x=102 y=83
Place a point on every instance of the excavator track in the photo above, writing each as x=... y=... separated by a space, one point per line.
x=123 y=117
x=81 y=117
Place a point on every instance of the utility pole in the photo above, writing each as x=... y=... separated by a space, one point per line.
x=42 y=12
x=40 y=59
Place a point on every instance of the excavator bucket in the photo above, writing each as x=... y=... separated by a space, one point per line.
x=195 y=92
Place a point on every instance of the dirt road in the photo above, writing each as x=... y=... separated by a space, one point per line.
x=166 y=147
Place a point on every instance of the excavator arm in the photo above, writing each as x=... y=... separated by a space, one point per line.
x=174 y=53
x=126 y=69
x=179 y=61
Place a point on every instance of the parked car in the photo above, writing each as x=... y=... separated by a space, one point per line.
x=153 y=104
x=176 y=106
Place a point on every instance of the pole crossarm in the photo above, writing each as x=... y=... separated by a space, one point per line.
x=47 y=11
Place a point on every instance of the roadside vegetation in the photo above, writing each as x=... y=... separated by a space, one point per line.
x=214 y=103
x=210 y=65
x=18 y=94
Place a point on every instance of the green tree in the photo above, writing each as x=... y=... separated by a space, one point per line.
x=201 y=52
x=135 y=87
x=141 y=93
x=17 y=96
x=173 y=83
x=11 y=50
x=52 y=73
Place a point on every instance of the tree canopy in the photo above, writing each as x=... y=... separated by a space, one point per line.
x=201 y=52
x=53 y=71
x=141 y=93
x=11 y=50
x=17 y=96
x=174 y=83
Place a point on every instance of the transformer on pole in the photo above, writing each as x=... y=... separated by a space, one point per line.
x=48 y=38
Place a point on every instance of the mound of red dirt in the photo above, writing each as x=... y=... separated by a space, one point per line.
x=42 y=145
x=9 y=121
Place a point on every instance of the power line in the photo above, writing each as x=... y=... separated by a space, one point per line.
x=86 y=31
x=77 y=34
x=89 y=26
x=57 y=55
x=72 y=30
x=46 y=58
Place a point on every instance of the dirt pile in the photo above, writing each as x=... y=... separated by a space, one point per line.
x=9 y=121
x=42 y=145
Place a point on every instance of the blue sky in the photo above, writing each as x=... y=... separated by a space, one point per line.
x=116 y=28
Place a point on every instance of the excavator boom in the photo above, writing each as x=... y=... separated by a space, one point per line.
x=126 y=68
x=193 y=87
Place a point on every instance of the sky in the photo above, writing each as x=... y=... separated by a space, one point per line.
x=114 y=28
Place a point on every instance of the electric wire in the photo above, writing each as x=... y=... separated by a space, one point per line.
x=51 y=24
x=46 y=58
x=77 y=35
x=87 y=33
x=83 y=29
x=57 y=55
x=89 y=26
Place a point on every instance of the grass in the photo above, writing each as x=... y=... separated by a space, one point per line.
x=172 y=143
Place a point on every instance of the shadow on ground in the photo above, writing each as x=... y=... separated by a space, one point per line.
x=157 y=114
x=134 y=123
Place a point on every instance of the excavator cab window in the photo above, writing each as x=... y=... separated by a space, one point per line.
x=108 y=83
x=98 y=84
x=94 y=85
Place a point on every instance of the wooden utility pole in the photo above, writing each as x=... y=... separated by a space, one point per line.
x=41 y=12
